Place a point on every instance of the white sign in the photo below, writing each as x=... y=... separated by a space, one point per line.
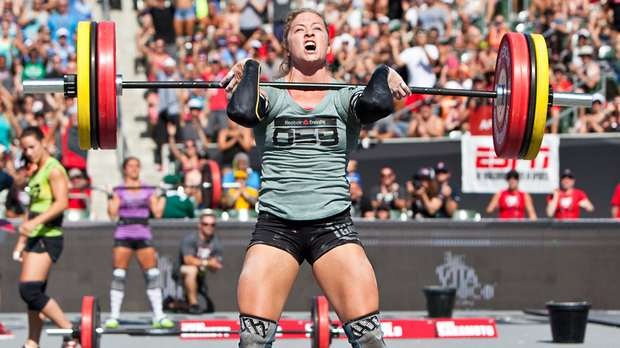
x=484 y=172
x=451 y=329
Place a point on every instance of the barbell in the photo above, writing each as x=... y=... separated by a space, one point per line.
x=89 y=331
x=521 y=95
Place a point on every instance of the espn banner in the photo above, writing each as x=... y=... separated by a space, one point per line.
x=484 y=172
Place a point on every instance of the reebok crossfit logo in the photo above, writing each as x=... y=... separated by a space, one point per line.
x=455 y=273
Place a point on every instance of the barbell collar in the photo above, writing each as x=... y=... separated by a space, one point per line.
x=571 y=99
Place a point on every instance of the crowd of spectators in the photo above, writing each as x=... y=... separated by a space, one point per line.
x=449 y=43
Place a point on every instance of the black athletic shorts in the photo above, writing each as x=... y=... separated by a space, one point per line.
x=134 y=244
x=307 y=239
x=51 y=245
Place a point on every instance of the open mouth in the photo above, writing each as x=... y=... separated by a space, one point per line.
x=310 y=46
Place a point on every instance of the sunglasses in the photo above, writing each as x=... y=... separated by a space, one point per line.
x=207 y=224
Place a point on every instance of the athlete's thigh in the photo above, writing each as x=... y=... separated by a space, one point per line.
x=121 y=256
x=147 y=257
x=348 y=280
x=35 y=266
x=266 y=279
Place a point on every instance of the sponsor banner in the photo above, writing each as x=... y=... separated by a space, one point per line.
x=392 y=328
x=484 y=172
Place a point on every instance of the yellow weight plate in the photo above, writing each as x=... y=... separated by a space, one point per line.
x=83 y=84
x=542 y=95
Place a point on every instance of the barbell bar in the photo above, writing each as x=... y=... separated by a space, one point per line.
x=521 y=91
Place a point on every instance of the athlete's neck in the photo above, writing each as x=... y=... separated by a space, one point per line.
x=129 y=182
x=310 y=74
x=42 y=160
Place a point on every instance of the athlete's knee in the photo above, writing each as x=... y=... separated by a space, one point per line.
x=151 y=277
x=119 y=278
x=256 y=332
x=33 y=293
x=365 y=332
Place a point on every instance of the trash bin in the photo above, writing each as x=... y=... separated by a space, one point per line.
x=439 y=301
x=568 y=321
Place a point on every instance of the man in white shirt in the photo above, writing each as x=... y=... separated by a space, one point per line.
x=419 y=59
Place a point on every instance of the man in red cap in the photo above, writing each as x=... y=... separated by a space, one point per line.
x=615 y=203
x=567 y=201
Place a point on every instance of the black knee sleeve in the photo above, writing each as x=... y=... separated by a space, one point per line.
x=375 y=101
x=33 y=293
x=246 y=106
x=256 y=332
x=365 y=332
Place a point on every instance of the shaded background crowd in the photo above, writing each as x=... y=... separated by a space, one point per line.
x=449 y=43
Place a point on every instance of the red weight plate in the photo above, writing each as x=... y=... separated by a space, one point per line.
x=531 y=108
x=512 y=84
x=321 y=329
x=106 y=83
x=87 y=328
x=216 y=182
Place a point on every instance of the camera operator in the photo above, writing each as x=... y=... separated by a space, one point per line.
x=424 y=195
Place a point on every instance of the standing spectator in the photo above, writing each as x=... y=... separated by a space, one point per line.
x=232 y=140
x=8 y=123
x=436 y=15
x=419 y=59
x=615 y=203
x=360 y=204
x=200 y=252
x=189 y=159
x=567 y=201
x=17 y=198
x=251 y=17
x=63 y=48
x=169 y=108
x=217 y=98
x=63 y=18
x=589 y=72
x=449 y=200
x=512 y=202
x=389 y=195
x=281 y=9
x=163 y=22
x=184 y=18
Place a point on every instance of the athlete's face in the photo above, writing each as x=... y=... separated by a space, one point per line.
x=132 y=170
x=307 y=39
x=513 y=184
x=33 y=149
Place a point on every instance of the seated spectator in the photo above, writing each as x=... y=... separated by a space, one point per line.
x=424 y=201
x=79 y=196
x=592 y=121
x=352 y=174
x=615 y=203
x=389 y=195
x=175 y=202
x=449 y=199
x=199 y=252
x=567 y=201
x=240 y=196
x=17 y=198
x=512 y=202
x=426 y=123
x=360 y=204
x=241 y=162
x=589 y=71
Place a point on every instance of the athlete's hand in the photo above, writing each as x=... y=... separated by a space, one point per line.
x=397 y=85
x=232 y=79
x=19 y=249
x=27 y=227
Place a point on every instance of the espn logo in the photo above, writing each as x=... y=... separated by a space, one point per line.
x=447 y=329
x=486 y=159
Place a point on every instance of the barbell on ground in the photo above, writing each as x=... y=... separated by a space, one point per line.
x=89 y=331
x=521 y=95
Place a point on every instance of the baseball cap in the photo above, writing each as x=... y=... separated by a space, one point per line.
x=256 y=44
x=586 y=51
x=240 y=174
x=62 y=32
x=75 y=173
x=597 y=97
x=567 y=173
x=195 y=103
x=424 y=173
x=512 y=174
x=169 y=63
x=441 y=167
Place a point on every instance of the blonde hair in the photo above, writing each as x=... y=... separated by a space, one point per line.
x=285 y=67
